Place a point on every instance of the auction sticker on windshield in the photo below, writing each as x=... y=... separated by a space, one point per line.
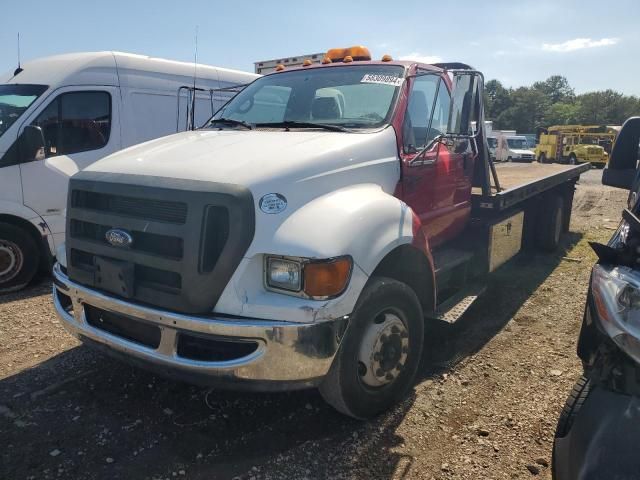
x=383 y=79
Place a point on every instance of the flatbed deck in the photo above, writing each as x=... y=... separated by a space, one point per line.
x=519 y=182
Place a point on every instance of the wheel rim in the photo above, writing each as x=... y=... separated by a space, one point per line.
x=384 y=349
x=11 y=260
x=572 y=160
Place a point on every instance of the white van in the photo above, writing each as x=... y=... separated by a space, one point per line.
x=512 y=148
x=60 y=114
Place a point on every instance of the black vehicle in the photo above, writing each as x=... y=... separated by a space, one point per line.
x=598 y=432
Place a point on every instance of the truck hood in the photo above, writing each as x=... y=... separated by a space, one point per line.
x=264 y=161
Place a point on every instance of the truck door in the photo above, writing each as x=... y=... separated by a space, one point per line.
x=80 y=125
x=430 y=181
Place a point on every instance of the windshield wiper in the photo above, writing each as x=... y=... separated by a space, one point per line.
x=231 y=121
x=295 y=124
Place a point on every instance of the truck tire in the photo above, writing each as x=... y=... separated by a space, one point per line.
x=19 y=258
x=379 y=356
x=568 y=209
x=509 y=159
x=569 y=412
x=542 y=158
x=550 y=223
x=573 y=159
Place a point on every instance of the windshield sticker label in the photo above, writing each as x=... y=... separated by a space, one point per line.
x=383 y=79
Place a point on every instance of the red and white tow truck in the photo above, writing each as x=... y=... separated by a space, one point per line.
x=302 y=237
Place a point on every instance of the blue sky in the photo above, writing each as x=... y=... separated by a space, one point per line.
x=594 y=44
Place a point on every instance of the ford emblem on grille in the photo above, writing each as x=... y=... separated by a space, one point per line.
x=118 y=238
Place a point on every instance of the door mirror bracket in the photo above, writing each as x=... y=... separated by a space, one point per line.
x=445 y=139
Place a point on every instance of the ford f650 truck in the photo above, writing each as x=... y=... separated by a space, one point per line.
x=306 y=233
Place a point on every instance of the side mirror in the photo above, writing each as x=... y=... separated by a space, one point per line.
x=621 y=171
x=32 y=145
x=463 y=99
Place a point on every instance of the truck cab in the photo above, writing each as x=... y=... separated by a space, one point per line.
x=60 y=114
x=303 y=235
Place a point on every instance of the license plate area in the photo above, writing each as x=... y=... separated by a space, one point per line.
x=115 y=276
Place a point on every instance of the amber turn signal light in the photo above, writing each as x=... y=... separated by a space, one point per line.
x=327 y=279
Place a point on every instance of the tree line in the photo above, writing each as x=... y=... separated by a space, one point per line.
x=554 y=102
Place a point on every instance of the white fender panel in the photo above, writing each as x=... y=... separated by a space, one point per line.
x=25 y=213
x=361 y=221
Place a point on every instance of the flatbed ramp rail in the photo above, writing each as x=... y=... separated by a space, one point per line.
x=520 y=182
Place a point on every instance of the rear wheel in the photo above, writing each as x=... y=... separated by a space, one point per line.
x=572 y=159
x=379 y=356
x=509 y=159
x=542 y=158
x=19 y=258
x=550 y=224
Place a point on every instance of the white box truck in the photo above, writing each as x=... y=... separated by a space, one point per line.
x=511 y=147
x=73 y=110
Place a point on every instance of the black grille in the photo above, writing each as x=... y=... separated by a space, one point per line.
x=183 y=252
x=163 y=245
x=162 y=210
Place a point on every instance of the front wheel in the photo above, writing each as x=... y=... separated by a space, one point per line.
x=542 y=158
x=19 y=258
x=380 y=353
x=509 y=159
x=573 y=160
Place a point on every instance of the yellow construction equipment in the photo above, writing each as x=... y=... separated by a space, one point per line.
x=576 y=144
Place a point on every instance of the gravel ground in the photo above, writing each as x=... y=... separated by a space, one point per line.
x=485 y=406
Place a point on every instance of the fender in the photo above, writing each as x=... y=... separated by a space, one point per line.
x=22 y=212
x=362 y=221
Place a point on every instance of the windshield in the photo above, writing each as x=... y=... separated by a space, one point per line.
x=14 y=100
x=358 y=96
x=518 y=143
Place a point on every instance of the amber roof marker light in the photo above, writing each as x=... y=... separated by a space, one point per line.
x=357 y=53
x=387 y=58
x=279 y=67
x=306 y=63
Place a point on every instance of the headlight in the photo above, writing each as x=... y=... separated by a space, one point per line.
x=616 y=294
x=316 y=279
x=284 y=274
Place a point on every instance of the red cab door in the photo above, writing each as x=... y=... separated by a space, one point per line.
x=436 y=185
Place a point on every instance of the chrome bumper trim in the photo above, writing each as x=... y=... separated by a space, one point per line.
x=288 y=352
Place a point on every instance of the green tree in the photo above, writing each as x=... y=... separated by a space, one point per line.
x=497 y=99
x=562 y=113
x=527 y=111
x=606 y=107
x=556 y=88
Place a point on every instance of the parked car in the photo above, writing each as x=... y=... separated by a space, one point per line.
x=301 y=237
x=60 y=114
x=599 y=428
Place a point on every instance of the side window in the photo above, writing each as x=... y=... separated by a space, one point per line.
x=76 y=122
x=440 y=114
x=416 y=121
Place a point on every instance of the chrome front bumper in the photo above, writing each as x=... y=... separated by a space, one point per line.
x=288 y=355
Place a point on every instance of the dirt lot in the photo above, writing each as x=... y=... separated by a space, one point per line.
x=485 y=407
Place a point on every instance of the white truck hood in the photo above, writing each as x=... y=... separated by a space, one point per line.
x=263 y=161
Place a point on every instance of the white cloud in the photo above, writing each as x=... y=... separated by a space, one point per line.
x=578 y=44
x=419 y=57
